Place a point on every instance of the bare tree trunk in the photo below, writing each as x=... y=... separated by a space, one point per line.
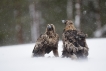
x=34 y=14
x=78 y=14
x=17 y=15
x=98 y=18
x=70 y=9
x=97 y=15
x=19 y=34
x=99 y=32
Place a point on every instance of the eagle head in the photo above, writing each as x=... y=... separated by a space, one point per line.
x=50 y=28
x=69 y=25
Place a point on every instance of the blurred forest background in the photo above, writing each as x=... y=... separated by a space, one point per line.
x=22 y=21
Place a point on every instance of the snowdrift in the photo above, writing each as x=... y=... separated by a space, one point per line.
x=19 y=58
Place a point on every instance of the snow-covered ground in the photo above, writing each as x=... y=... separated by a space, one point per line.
x=19 y=58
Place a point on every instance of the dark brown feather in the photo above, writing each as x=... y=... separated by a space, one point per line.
x=74 y=41
x=47 y=42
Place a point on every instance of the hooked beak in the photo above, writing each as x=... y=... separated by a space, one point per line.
x=49 y=27
x=64 y=21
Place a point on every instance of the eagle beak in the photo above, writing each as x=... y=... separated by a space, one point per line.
x=49 y=27
x=64 y=21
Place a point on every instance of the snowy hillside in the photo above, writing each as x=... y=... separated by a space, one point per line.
x=19 y=58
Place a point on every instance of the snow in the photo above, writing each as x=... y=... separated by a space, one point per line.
x=84 y=12
x=19 y=58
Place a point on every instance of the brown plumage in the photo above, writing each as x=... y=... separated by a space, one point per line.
x=81 y=39
x=73 y=41
x=47 y=42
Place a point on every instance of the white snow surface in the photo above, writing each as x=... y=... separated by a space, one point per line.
x=19 y=58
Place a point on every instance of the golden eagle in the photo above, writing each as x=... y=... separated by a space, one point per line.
x=47 y=42
x=74 y=43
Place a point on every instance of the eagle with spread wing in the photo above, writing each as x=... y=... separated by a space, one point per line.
x=74 y=41
x=47 y=42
